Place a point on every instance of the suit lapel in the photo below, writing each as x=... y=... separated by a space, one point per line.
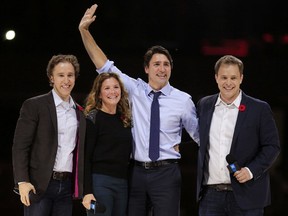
x=52 y=110
x=209 y=109
x=240 y=120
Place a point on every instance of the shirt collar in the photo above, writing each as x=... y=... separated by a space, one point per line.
x=58 y=101
x=165 y=90
x=235 y=103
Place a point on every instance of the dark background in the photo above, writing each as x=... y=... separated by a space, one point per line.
x=196 y=33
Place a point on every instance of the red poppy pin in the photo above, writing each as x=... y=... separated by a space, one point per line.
x=242 y=108
x=80 y=107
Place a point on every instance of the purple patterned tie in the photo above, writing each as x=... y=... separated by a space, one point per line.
x=154 y=128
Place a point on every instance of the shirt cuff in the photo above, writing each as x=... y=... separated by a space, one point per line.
x=21 y=183
x=251 y=175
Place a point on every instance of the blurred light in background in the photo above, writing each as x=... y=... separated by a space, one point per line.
x=10 y=35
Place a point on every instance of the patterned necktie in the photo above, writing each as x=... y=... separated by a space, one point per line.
x=154 y=128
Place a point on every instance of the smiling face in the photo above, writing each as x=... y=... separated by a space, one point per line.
x=63 y=79
x=229 y=79
x=110 y=94
x=159 y=71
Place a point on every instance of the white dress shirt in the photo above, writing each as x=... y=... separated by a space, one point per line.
x=67 y=128
x=220 y=139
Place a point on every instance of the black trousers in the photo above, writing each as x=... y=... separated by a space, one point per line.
x=157 y=188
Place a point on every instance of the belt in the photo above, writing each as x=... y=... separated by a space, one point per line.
x=155 y=164
x=61 y=176
x=220 y=187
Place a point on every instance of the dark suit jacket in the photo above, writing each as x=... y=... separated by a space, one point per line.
x=35 y=144
x=255 y=145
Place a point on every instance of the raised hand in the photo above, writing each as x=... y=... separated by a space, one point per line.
x=88 y=18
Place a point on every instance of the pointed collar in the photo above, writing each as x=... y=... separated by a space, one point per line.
x=165 y=90
x=235 y=103
x=58 y=101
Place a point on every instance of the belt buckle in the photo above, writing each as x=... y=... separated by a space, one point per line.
x=146 y=165
x=58 y=176
x=54 y=175
x=222 y=187
x=219 y=188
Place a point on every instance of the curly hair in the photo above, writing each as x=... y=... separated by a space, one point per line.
x=94 y=102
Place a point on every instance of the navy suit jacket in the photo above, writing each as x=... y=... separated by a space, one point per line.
x=35 y=145
x=255 y=145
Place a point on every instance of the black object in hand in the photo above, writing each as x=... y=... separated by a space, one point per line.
x=232 y=164
x=96 y=207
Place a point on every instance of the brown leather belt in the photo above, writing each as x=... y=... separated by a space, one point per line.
x=61 y=176
x=220 y=187
x=155 y=164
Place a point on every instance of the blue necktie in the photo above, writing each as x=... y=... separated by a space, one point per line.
x=154 y=128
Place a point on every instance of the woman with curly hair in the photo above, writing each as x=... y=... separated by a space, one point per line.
x=108 y=145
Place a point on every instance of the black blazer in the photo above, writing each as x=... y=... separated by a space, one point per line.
x=35 y=145
x=255 y=145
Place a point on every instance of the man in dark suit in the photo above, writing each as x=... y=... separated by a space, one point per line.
x=235 y=124
x=48 y=144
